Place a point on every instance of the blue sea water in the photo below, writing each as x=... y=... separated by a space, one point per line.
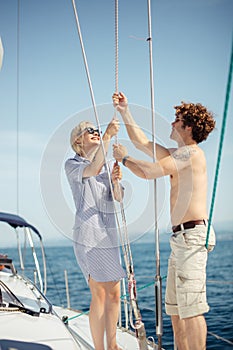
x=219 y=288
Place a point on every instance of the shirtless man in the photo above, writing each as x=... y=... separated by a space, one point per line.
x=186 y=165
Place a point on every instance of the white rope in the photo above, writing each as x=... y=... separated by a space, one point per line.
x=125 y=231
x=125 y=253
x=116 y=59
x=138 y=326
x=116 y=47
x=124 y=238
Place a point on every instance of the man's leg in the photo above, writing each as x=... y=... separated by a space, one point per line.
x=190 y=333
x=179 y=331
x=196 y=332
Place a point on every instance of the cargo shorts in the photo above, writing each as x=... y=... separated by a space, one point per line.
x=186 y=278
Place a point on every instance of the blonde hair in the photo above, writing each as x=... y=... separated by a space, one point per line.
x=77 y=135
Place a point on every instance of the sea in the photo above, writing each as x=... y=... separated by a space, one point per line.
x=219 y=288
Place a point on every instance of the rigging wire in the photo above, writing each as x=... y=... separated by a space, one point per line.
x=227 y=99
x=94 y=106
x=139 y=326
x=93 y=102
x=17 y=108
x=158 y=280
x=116 y=142
x=1 y=53
x=92 y=97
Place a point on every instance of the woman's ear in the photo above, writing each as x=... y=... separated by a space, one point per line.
x=78 y=142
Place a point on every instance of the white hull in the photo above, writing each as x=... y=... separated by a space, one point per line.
x=28 y=321
x=21 y=330
x=47 y=331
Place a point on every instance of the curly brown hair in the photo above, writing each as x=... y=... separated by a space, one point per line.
x=198 y=117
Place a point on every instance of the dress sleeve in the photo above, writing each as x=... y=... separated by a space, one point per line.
x=74 y=170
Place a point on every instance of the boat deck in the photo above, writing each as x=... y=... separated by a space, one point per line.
x=44 y=330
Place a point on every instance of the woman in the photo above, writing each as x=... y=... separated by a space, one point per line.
x=95 y=233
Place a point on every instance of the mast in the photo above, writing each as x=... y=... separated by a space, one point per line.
x=158 y=280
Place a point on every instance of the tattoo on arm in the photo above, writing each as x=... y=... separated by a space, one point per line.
x=183 y=153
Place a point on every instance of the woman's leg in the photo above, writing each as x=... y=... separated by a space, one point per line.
x=112 y=303
x=96 y=315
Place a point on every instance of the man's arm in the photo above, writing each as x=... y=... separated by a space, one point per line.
x=147 y=170
x=135 y=133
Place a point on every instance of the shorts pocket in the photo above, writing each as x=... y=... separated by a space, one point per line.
x=194 y=282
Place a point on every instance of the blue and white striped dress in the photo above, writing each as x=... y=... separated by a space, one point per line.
x=96 y=244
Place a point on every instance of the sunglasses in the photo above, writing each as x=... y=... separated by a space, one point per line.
x=92 y=131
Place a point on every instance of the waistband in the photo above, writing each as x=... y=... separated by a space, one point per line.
x=188 y=224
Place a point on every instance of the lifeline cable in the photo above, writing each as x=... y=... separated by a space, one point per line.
x=227 y=99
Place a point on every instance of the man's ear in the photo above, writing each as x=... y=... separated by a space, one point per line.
x=188 y=127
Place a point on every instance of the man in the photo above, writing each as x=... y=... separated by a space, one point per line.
x=186 y=165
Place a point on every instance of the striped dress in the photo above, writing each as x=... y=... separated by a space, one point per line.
x=96 y=244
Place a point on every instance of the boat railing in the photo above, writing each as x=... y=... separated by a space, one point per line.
x=25 y=235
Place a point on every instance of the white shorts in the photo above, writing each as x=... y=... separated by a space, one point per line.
x=186 y=278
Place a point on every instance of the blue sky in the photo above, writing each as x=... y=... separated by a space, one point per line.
x=44 y=93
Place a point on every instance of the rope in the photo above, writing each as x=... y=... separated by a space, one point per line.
x=138 y=326
x=93 y=98
x=141 y=334
x=228 y=90
x=116 y=47
x=116 y=59
x=126 y=254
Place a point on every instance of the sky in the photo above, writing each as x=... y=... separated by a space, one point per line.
x=44 y=93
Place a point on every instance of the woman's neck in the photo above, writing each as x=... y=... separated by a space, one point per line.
x=89 y=153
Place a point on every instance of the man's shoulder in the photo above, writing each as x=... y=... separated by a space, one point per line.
x=185 y=152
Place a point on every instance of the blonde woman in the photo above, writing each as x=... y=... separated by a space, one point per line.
x=95 y=234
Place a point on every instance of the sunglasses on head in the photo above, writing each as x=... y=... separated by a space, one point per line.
x=92 y=131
